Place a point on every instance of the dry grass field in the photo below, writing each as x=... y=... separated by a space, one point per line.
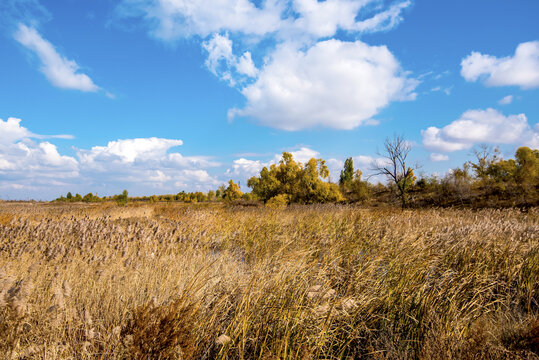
x=175 y=281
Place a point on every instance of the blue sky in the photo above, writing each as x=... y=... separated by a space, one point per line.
x=159 y=96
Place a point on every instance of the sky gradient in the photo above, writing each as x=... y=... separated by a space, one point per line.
x=159 y=96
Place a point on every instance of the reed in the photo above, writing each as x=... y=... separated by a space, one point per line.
x=174 y=281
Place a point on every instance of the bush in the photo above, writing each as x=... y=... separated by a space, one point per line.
x=122 y=199
x=278 y=201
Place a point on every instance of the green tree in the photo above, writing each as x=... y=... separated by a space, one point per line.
x=123 y=198
x=351 y=185
x=69 y=196
x=220 y=192
x=347 y=174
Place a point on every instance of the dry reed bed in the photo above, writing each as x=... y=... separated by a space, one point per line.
x=175 y=281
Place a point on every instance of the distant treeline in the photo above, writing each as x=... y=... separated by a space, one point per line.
x=487 y=180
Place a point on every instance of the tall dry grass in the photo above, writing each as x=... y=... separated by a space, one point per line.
x=328 y=282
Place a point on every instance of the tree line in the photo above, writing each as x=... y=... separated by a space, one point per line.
x=487 y=180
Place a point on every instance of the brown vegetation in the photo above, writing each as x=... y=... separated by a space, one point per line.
x=177 y=281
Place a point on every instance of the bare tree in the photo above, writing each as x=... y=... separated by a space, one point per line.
x=396 y=167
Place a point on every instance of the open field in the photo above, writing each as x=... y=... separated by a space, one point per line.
x=175 y=281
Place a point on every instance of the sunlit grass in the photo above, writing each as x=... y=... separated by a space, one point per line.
x=176 y=281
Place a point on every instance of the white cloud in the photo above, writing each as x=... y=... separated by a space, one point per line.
x=481 y=126
x=323 y=19
x=146 y=160
x=159 y=177
x=60 y=71
x=219 y=48
x=129 y=150
x=22 y=160
x=246 y=66
x=438 y=157
x=11 y=131
x=40 y=171
x=506 y=100
x=333 y=84
x=434 y=139
x=386 y=20
x=446 y=91
x=199 y=177
x=246 y=168
x=222 y=62
x=273 y=53
x=302 y=155
x=173 y=19
x=177 y=159
x=170 y=20
x=522 y=69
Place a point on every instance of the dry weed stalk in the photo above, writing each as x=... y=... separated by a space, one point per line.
x=179 y=282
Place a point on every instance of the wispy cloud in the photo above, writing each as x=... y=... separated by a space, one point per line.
x=14 y=12
x=506 y=100
x=60 y=71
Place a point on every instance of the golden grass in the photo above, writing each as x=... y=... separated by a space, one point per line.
x=171 y=281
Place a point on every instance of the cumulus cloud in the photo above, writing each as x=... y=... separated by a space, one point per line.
x=278 y=55
x=481 y=126
x=129 y=151
x=522 y=69
x=199 y=177
x=333 y=84
x=23 y=160
x=34 y=168
x=61 y=72
x=302 y=155
x=246 y=168
x=11 y=131
x=146 y=160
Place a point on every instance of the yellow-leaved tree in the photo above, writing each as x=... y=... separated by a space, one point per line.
x=295 y=182
x=232 y=192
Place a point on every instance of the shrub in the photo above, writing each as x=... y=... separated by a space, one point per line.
x=278 y=201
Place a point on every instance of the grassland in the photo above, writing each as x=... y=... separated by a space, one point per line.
x=154 y=281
